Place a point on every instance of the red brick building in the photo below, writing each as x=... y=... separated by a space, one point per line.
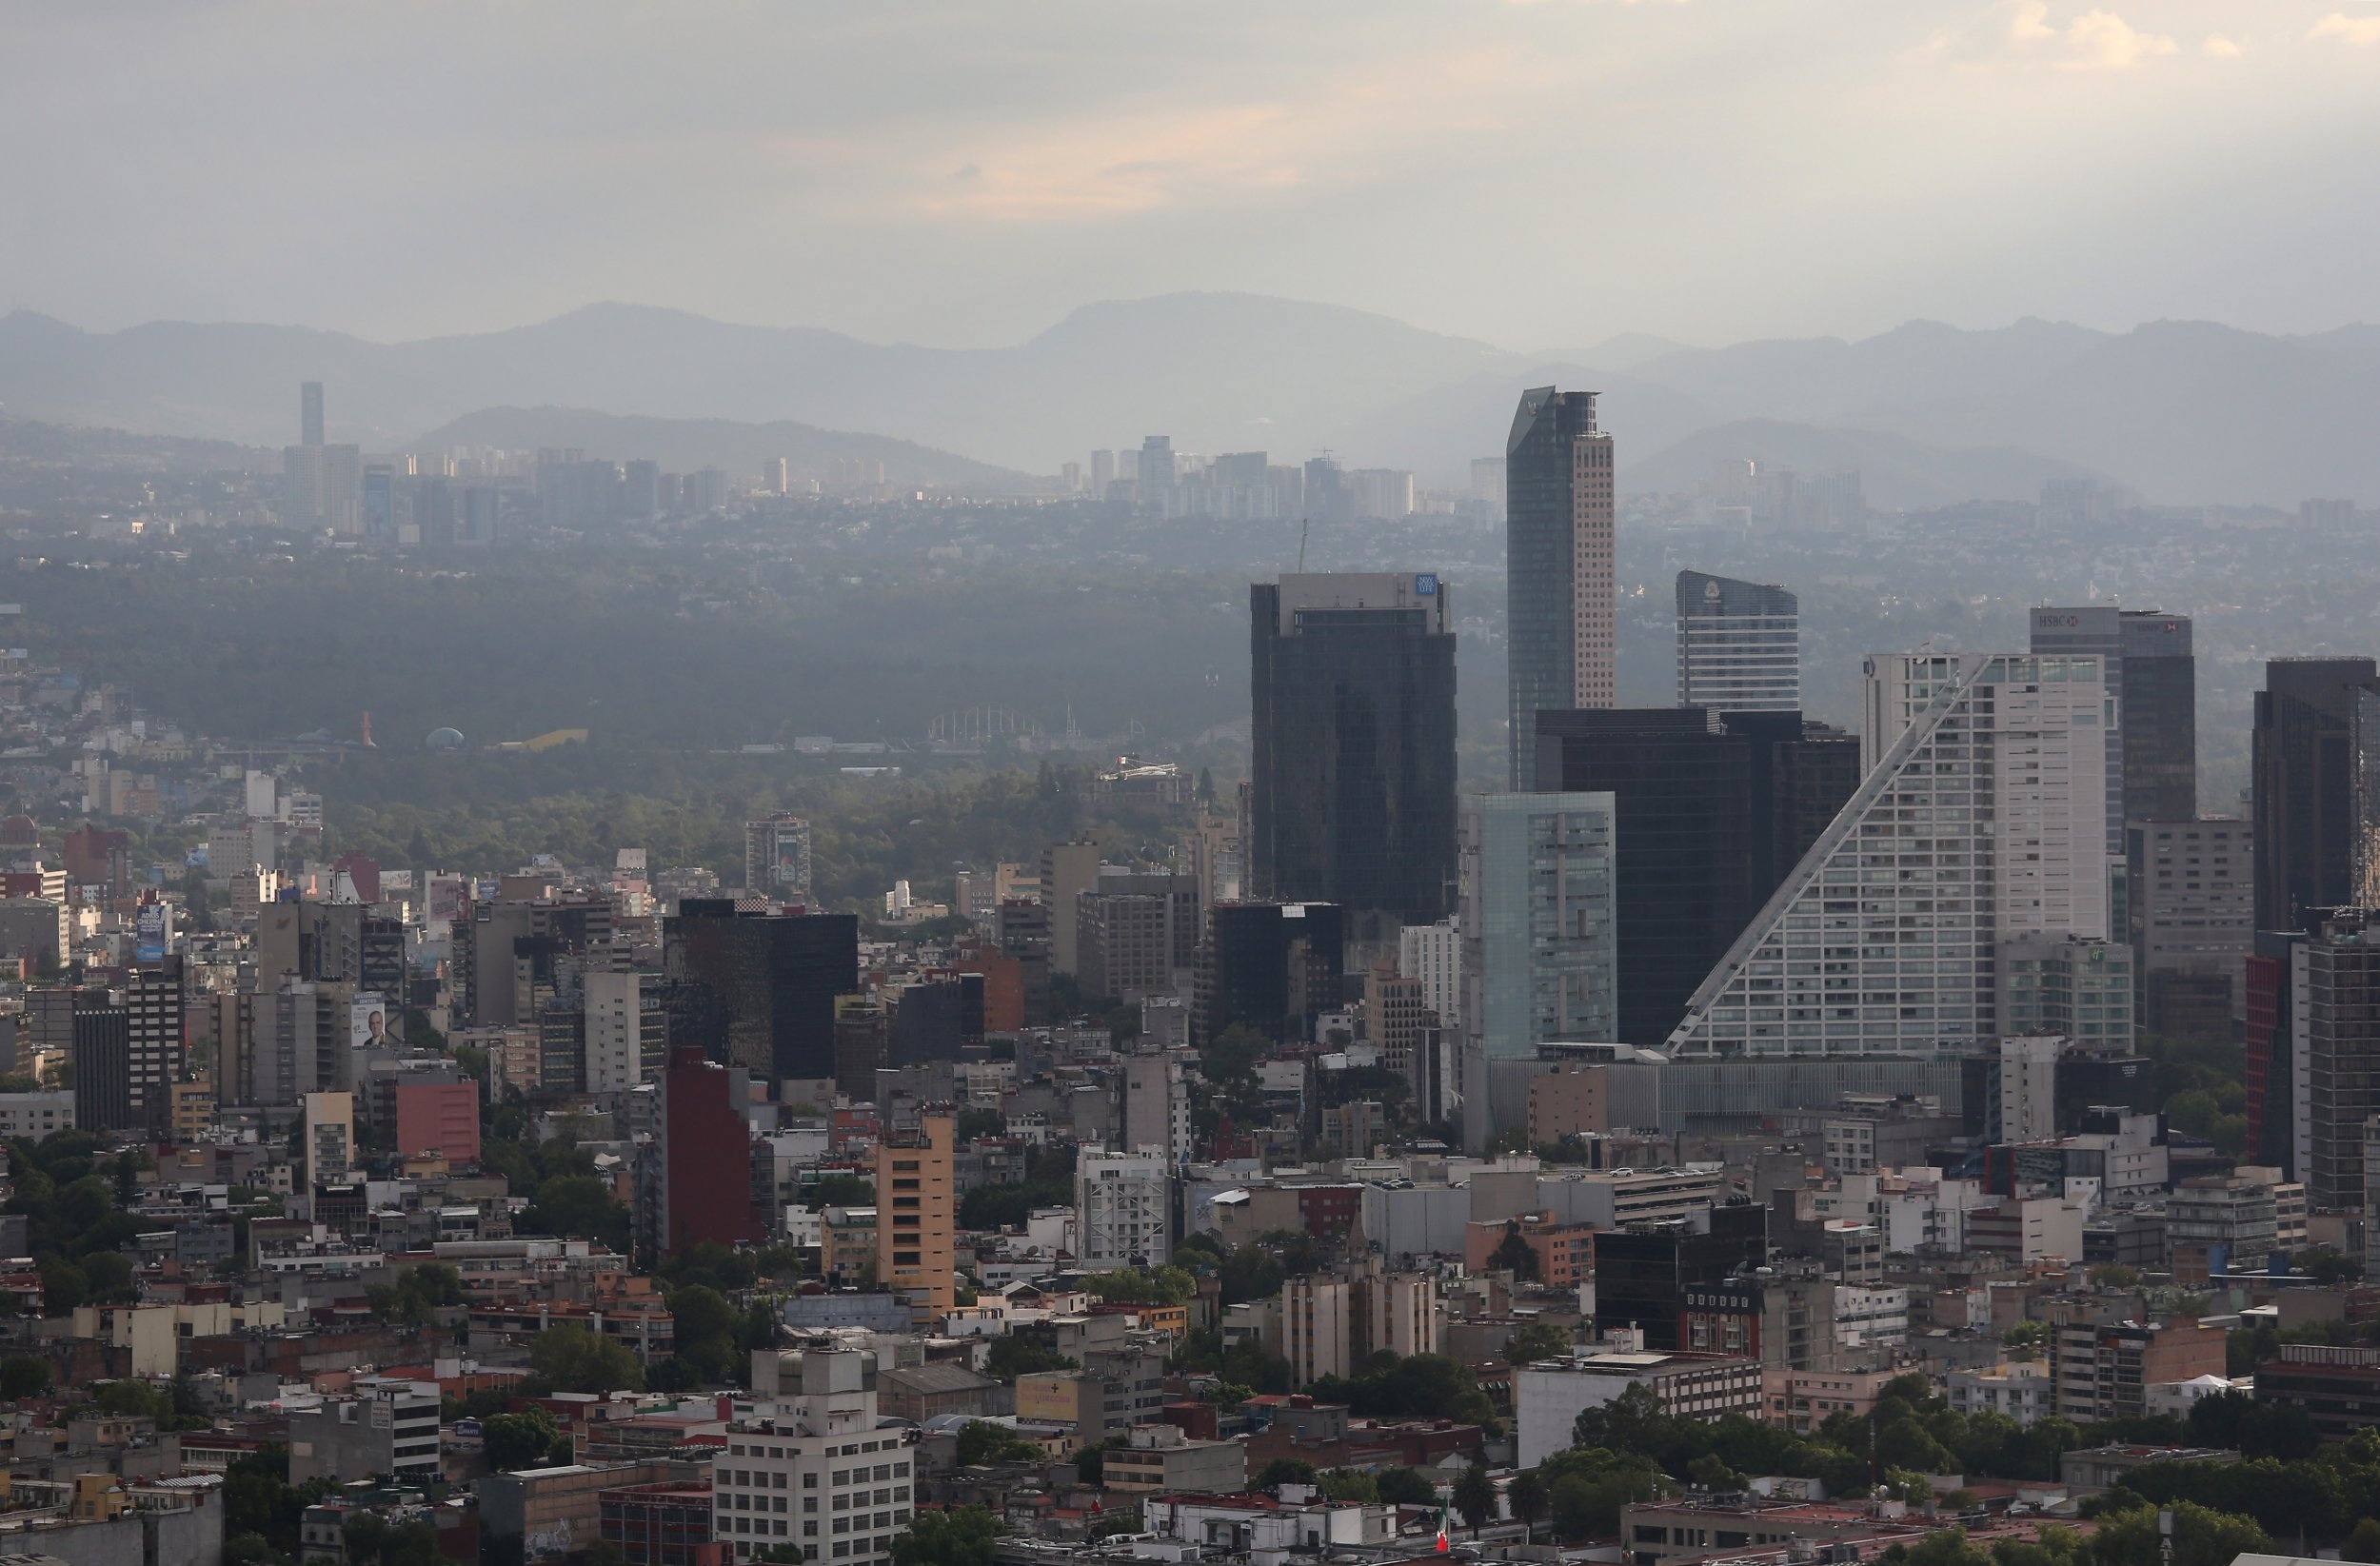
x=441 y=1118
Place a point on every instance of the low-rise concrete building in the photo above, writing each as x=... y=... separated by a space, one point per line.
x=556 y=1512
x=920 y=1393
x=2093 y=1469
x=382 y=1430
x=1158 y=1457
x=2020 y=1389
x=1549 y=1397
x=1242 y=1524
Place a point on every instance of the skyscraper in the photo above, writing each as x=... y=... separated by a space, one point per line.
x=320 y=485
x=1351 y=767
x=155 y=999
x=1712 y=811
x=2152 y=746
x=1979 y=820
x=2338 y=1026
x=1539 y=959
x=1559 y=565
x=1153 y=484
x=1738 y=645
x=758 y=990
x=2314 y=718
x=777 y=858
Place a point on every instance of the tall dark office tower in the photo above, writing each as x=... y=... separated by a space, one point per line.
x=2159 y=708
x=758 y=990
x=157 y=1032
x=1270 y=966
x=1558 y=560
x=1352 y=769
x=2308 y=803
x=1739 y=644
x=1644 y=1273
x=1712 y=811
x=2153 y=747
x=103 y=1068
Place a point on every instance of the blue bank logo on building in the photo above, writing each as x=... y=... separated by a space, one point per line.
x=1425 y=584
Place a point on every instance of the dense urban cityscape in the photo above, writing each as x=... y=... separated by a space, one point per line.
x=1703 y=1125
x=1022 y=786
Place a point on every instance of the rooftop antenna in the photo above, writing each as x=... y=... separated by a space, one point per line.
x=1301 y=545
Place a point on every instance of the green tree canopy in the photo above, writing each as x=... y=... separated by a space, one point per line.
x=1417 y=1386
x=1513 y=1253
x=20 y=1377
x=982 y=1441
x=514 y=1441
x=1154 y=1286
x=579 y=1207
x=2201 y=1536
x=707 y=1329
x=1474 y=1495
x=1347 y=1484
x=964 y=1537
x=1537 y=1341
x=1013 y=1356
x=572 y=1358
x=1527 y=1499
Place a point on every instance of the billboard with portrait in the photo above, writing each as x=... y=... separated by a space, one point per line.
x=369 y=1021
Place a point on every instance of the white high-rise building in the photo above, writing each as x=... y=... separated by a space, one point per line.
x=1157 y=1107
x=817 y=1474
x=627 y=1031
x=1433 y=954
x=1981 y=818
x=2027 y=1110
x=1738 y=645
x=1317 y=1327
x=1121 y=1209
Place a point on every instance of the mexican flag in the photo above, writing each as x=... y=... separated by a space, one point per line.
x=1441 y=1527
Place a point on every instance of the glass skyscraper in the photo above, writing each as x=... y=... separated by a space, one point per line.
x=2314 y=725
x=1351 y=767
x=1739 y=644
x=1541 y=961
x=2152 y=746
x=1560 y=620
x=758 y=990
x=1713 y=810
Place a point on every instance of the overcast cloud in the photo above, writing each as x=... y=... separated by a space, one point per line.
x=1541 y=175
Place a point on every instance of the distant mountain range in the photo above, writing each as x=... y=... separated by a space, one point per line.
x=2178 y=411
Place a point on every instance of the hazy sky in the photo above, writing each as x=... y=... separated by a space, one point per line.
x=964 y=171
